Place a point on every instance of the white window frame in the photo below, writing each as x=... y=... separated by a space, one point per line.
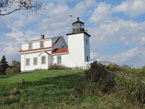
x=43 y=61
x=30 y=46
x=35 y=61
x=41 y=44
x=27 y=61
x=59 y=59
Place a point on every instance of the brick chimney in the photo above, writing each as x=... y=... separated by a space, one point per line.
x=42 y=36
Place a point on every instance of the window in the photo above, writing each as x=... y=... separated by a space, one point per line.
x=86 y=41
x=59 y=59
x=30 y=46
x=43 y=60
x=35 y=61
x=41 y=44
x=27 y=62
x=87 y=59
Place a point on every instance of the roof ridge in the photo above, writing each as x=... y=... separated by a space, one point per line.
x=56 y=41
x=35 y=49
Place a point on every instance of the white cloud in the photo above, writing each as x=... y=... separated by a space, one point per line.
x=134 y=56
x=101 y=13
x=116 y=31
x=133 y=8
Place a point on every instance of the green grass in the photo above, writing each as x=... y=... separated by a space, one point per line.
x=45 y=87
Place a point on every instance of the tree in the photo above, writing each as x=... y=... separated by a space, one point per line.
x=125 y=66
x=3 y=65
x=9 y=6
x=15 y=68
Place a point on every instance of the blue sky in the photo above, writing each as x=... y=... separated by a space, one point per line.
x=117 y=28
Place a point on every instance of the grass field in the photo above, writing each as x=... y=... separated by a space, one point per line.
x=41 y=87
x=47 y=89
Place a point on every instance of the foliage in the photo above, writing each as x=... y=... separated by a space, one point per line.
x=22 y=102
x=97 y=79
x=58 y=67
x=7 y=6
x=3 y=65
x=15 y=91
x=114 y=67
x=126 y=85
x=9 y=71
x=125 y=66
x=130 y=87
x=14 y=69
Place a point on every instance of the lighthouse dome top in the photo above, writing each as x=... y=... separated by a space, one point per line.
x=78 y=21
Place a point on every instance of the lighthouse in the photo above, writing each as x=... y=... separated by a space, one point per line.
x=79 y=44
x=45 y=52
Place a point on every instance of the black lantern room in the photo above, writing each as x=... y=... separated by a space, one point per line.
x=78 y=26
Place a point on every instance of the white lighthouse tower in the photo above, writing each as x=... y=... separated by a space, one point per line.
x=78 y=45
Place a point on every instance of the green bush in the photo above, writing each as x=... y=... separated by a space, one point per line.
x=125 y=66
x=130 y=87
x=14 y=69
x=98 y=79
x=56 y=66
x=9 y=71
x=127 y=85
x=16 y=66
x=114 y=67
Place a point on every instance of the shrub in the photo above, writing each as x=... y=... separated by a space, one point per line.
x=37 y=69
x=16 y=66
x=126 y=86
x=14 y=69
x=22 y=102
x=114 y=67
x=125 y=66
x=56 y=66
x=98 y=79
x=9 y=71
x=130 y=87
x=15 y=91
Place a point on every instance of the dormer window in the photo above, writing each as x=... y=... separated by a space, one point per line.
x=41 y=44
x=30 y=46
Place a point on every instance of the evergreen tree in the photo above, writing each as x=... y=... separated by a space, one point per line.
x=3 y=65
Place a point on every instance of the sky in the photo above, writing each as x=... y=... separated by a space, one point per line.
x=117 y=28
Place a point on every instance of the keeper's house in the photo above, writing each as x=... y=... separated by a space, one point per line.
x=44 y=52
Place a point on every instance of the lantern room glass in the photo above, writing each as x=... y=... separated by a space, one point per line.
x=78 y=25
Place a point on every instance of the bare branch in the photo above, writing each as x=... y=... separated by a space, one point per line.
x=10 y=12
x=5 y=5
